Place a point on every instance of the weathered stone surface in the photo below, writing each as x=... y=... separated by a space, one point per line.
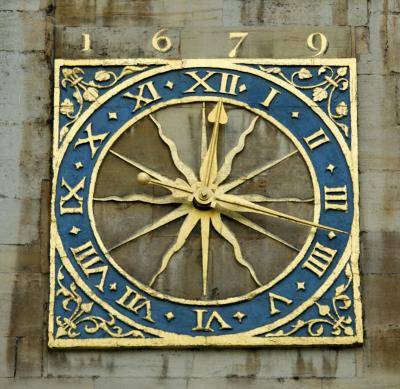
x=25 y=88
x=143 y=383
x=379 y=209
x=19 y=177
x=20 y=258
x=205 y=363
x=289 y=12
x=22 y=302
x=251 y=383
x=29 y=356
x=49 y=383
x=381 y=303
x=7 y=356
x=24 y=31
x=379 y=252
x=22 y=221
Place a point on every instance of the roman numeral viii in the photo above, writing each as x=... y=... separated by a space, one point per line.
x=320 y=259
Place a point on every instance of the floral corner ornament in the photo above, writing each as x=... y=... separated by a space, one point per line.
x=205 y=203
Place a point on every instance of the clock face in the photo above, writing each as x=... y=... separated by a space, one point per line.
x=205 y=202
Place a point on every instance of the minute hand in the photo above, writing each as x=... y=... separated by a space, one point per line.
x=238 y=204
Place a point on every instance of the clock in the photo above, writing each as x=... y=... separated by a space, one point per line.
x=204 y=203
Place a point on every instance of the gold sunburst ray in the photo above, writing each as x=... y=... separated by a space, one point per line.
x=233 y=184
x=173 y=215
x=187 y=226
x=179 y=164
x=254 y=226
x=226 y=167
x=229 y=236
x=168 y=199
x=256 y=198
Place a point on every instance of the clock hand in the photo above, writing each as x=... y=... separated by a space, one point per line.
x=209 y=165
x=145 y=178
x=233 y=184
x=235 y=203
x=139 y=166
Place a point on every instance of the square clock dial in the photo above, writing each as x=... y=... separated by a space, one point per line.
x=204 y=203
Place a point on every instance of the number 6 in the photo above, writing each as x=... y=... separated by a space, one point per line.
x=165 y=41
x=233 y=35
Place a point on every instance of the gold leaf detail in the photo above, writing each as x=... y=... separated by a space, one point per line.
x=344 y=128
x=304 y=74
x=102 y=75
x=319 y=94
x=341 y=109
x=321 y=70
x=66 y=107
x=349 y=331
x=342 y=71
x=323 y=309
x=91 y=94
x=131 y=69
x=64 y=131
x=271 y=70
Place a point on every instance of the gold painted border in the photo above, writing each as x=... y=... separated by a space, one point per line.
x=239 y=340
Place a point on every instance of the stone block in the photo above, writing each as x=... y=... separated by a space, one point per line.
x=24 y=5
x=24 y=159
x=7 y=356
x=48 y=383
x=381 y=356
x=380 y=200
x=393 y=35
x=125 y=13
x=22 y=302
x=380 y=302
x=379 y=382
x=20 y=258
x=22 y=31
x=123 y=42
x=22 y=218
x=253 y=383
x=176 y=13
x=263 y=42
x=142 y=383
x=203 y=363
x=379 y=252
x=376 y=104
x=25 y=89
x=29 y=357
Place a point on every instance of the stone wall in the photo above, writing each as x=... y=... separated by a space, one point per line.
x=33 y=32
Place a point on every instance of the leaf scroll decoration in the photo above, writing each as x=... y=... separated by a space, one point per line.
x=87 y=91
x=330 y=81
x=331 y=316
x=79 y=316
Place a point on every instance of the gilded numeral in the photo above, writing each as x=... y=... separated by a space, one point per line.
x=214 y=317
x=72 y=202
x=271 y=95
x=235 y=35
x=317 y=139
x=227 y=82
x=336 y=198
x=88 y=260
x=272 y=297
x=147 y=93
x=320 y=259
x=91 y=139
x=136 y=303
x=86 y=42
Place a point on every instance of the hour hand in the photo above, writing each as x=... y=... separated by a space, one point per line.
x=235 y=203
x=209 y=165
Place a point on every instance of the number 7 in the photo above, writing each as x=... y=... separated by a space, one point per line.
x=234 y=35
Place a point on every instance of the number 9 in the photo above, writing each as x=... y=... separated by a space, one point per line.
x=161 y=42
x=311 y=43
